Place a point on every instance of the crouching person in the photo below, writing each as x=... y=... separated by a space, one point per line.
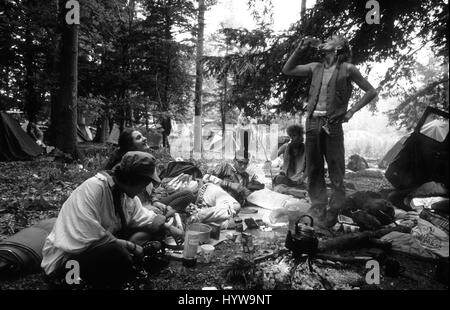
x=103 y=226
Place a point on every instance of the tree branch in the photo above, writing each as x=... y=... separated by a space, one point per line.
x=421 y=93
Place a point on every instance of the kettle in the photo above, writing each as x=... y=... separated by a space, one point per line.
x=304 y=240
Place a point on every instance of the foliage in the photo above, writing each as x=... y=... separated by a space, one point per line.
x=260 y=85
x=428 y=89
x=127 y=61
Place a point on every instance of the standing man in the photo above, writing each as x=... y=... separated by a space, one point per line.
x=166 y=126
x=329 y=94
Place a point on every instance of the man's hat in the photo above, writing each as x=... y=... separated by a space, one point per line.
x=137 y=163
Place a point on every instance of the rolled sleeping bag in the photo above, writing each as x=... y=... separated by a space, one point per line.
x=22 y=253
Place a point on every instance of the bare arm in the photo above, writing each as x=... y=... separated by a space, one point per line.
x=292 y=66
x=370 y=92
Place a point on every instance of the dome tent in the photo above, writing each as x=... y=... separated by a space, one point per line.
x=15 y=144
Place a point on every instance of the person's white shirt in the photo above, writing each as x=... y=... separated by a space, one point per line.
x=88 y=218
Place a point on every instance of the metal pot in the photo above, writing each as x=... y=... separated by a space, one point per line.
x=304 y=241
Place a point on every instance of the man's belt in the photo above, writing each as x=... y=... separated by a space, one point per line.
x=319 y=113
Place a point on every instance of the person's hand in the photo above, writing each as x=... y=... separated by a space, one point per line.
x=176 y=233
x=138 y=253
x=160 y=206
x=246 y=192
x=347 y=116
x=308 y=41
x=157 y=223
x=170 y=212
x=134 y=249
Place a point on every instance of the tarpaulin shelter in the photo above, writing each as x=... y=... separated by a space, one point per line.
x=424 y=155
x=15 y=144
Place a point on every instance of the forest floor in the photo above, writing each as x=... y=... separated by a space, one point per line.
x=35 y=190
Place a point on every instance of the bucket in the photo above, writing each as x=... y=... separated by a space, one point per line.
x=203 y=231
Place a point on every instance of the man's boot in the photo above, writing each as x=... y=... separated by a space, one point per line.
x=330 y=218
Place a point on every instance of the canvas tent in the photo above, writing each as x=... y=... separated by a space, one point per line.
x=15 y=144
x=84 y=134
x=392 y=153
x=424 y=155
x=217 y=143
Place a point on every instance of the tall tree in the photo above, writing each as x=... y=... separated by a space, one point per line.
x=65 y=132
x=199 y=80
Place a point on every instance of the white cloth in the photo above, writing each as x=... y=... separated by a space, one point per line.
x=221 y=205
x=88 y=217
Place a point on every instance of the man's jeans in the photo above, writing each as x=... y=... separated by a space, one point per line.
x=319 y=144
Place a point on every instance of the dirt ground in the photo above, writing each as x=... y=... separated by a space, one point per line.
x=31 y=191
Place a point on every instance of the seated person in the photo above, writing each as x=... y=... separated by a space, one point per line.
x=292 y=173
x=133 y=140
x=103 y=226
x=235 y=179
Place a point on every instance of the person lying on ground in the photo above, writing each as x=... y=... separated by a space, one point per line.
x=103 y=226
x=213 y=205
x=292 y=173
x=235 y=179
x=133 y=140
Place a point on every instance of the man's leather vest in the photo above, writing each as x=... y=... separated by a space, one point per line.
x=339 y=91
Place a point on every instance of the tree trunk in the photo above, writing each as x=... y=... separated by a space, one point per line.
x=446 y=86
x=168 y=39
x=224 y=105
x=199 y=81
x=66 y=136
x=55 y=108
x=303 y=9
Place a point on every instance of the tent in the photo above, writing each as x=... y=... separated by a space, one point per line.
x=15 y=144
x=436 y=129
x=217 y=142
x=392 y=153
x=84 y=134
x=424 y=155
